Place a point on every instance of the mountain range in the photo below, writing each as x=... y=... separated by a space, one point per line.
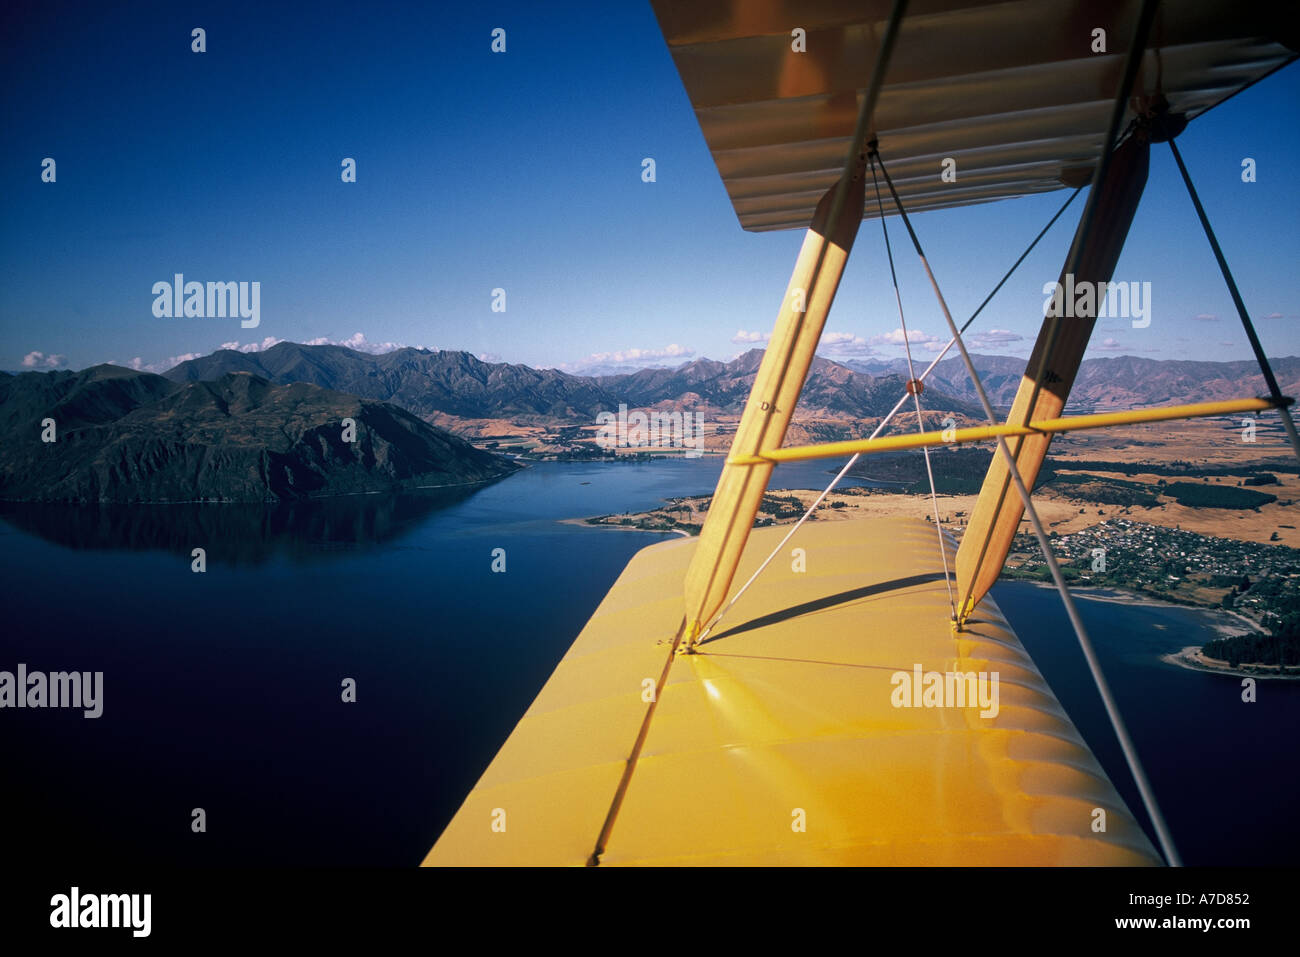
x=450 y=383
x=269 y=426
x=437 y=384
x=1122 y=382
x=125 y=436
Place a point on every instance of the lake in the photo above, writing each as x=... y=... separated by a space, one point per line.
x=222 y=690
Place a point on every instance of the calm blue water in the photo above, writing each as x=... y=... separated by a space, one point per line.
x=222 y=690
x=1224 y=772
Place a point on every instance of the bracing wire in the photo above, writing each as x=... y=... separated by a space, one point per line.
x=1275 y=393
x=914 y=388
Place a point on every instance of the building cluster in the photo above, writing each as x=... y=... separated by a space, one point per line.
x=1261 y=580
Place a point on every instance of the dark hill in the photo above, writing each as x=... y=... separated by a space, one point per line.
x=134 y=437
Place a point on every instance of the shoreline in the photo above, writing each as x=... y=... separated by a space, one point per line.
x=1194 y=659
x=1239 y=624
x=624 y=528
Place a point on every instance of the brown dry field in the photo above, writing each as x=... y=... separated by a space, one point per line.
x=1214 y=443
x=1210 y=442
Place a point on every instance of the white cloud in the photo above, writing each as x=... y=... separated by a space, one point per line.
x=634 y=358
x=139 y=365
x=914 y=336
x=1206 y=317
x=34 y=359
x=1110 y=345
x=743 y=336
x=262 y=346
x=265 y=344
x=488 y=357
x=169 y=363
x=1274 y=315
x=846 y=344
x=994 y=337
x=357 y=342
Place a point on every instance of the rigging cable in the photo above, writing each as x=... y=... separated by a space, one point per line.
x=1274 y=392
x=914 y=387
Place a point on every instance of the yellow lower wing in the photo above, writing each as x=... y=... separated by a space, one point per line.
x=780 y=742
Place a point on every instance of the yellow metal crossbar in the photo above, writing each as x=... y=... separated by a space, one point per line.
x=980 y=433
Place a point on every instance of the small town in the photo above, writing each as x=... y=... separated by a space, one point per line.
x=1259 y=581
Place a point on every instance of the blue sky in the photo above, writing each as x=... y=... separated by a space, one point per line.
x=520 y=171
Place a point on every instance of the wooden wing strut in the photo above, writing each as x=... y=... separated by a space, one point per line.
x=998 y=511
x=771 y=403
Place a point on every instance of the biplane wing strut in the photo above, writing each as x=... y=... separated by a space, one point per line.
x=1050 y=373
x=771 y=404
x=785 y=365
